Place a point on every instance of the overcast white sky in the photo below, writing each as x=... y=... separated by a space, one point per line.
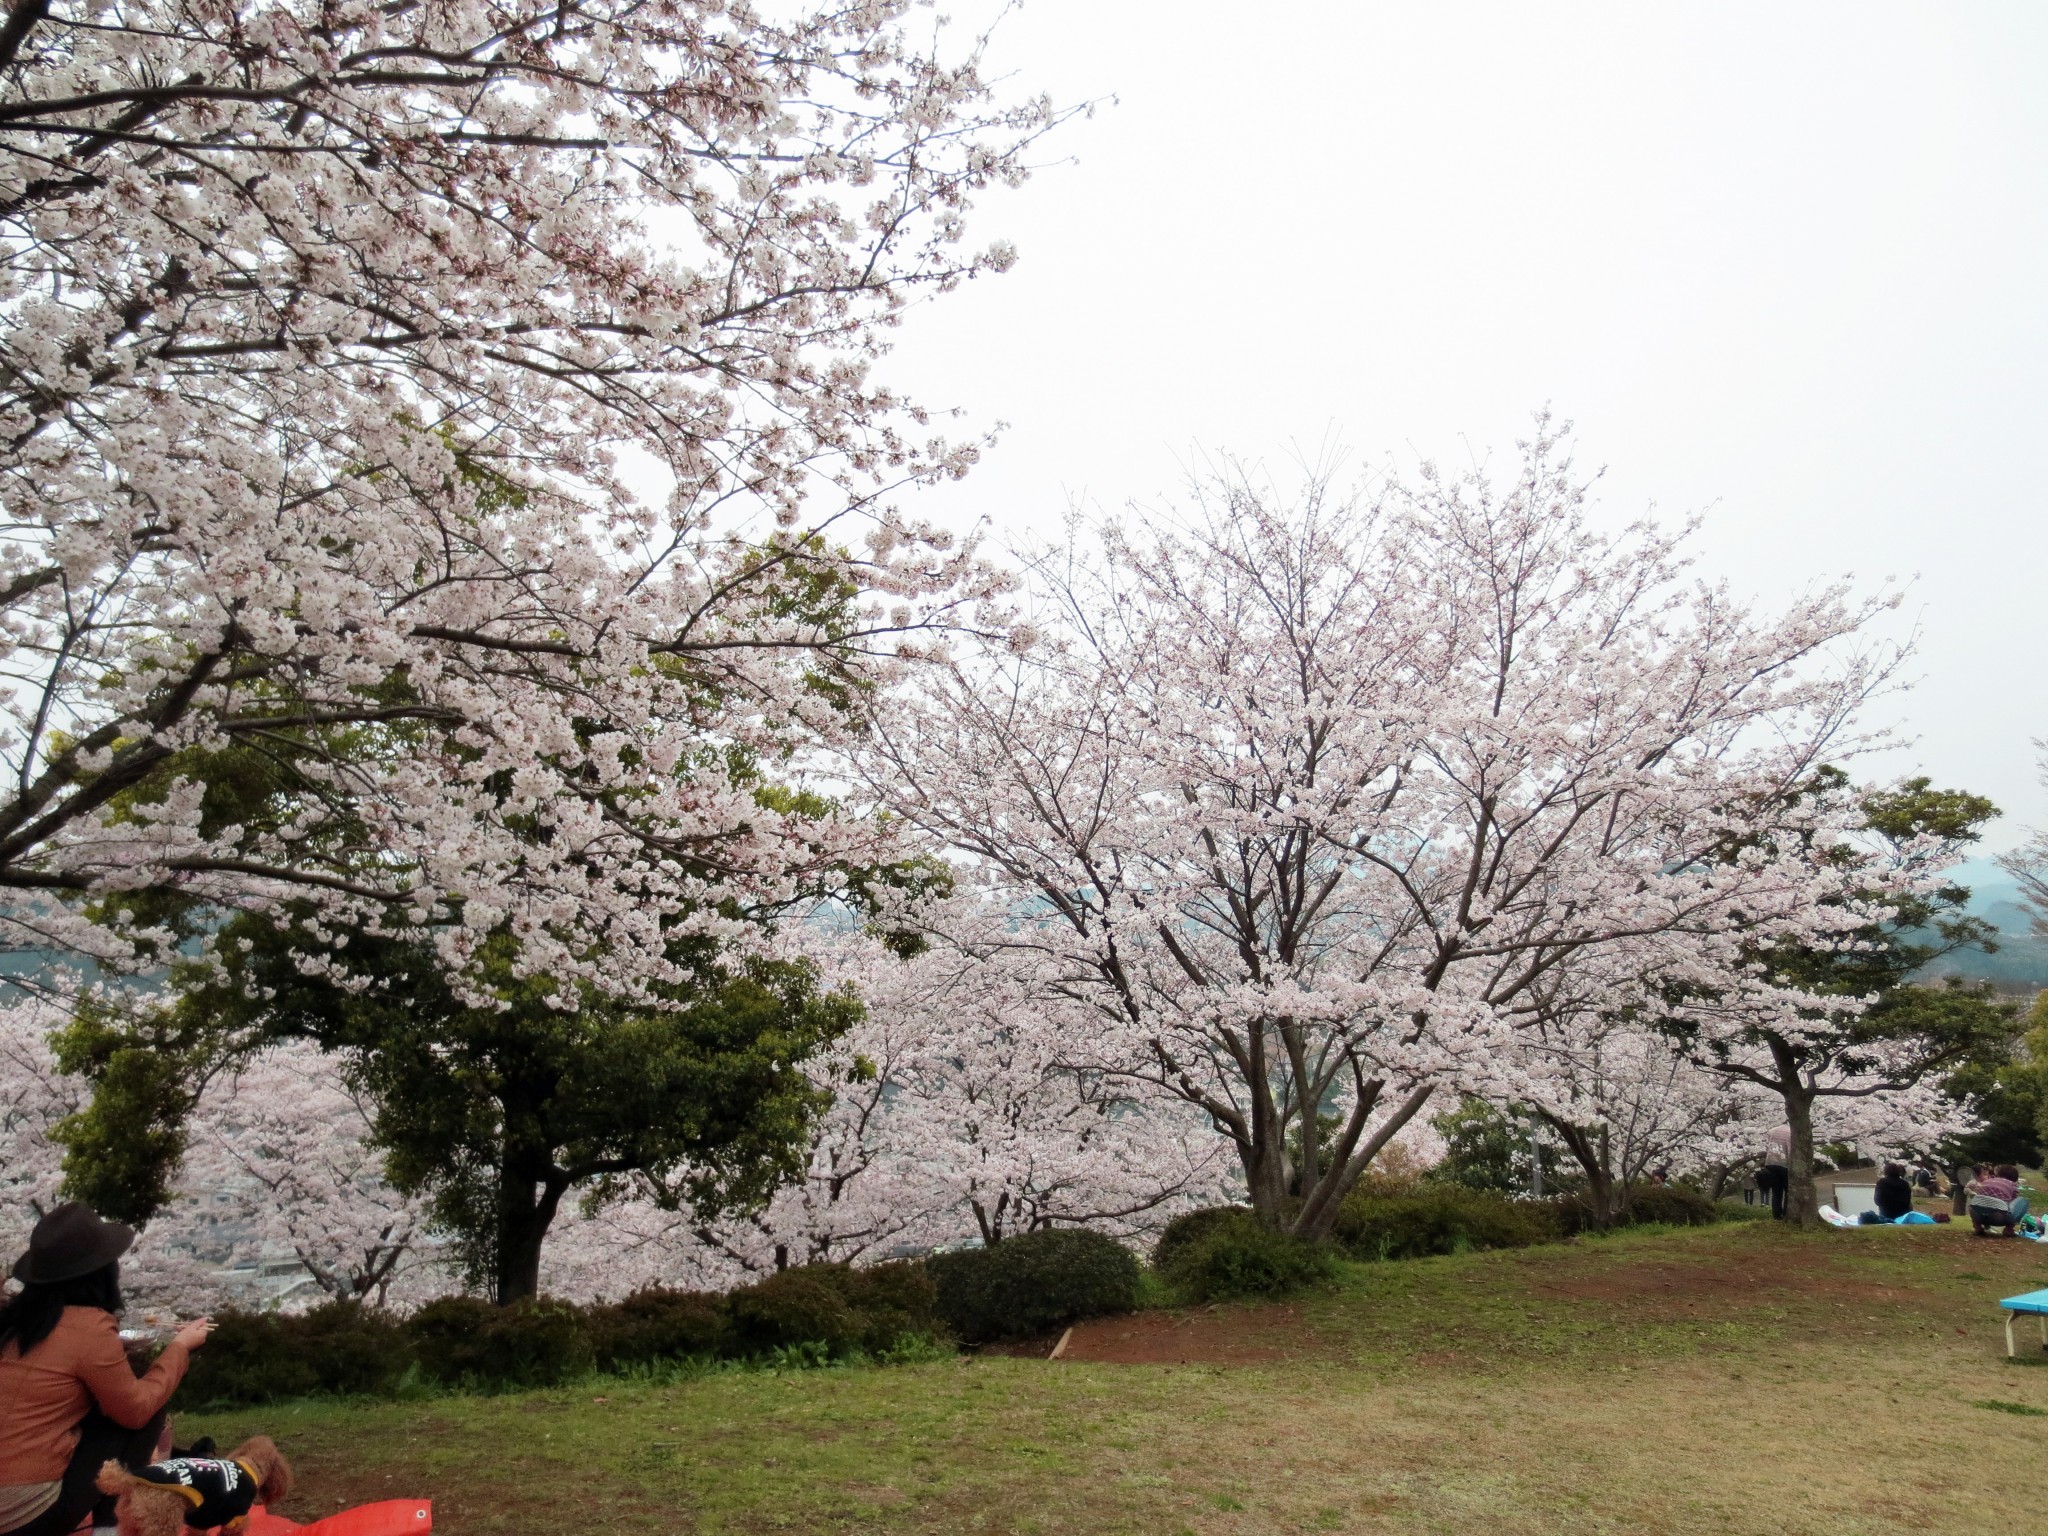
x=1787 y=264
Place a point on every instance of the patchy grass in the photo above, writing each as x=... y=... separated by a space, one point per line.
x=1683 y=1381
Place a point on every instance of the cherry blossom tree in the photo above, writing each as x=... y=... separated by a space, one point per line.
x=279 y=1161
x=956 y=1116
x=1297 y=806
x=1625 y=1103
x=441 y=454
x=34 y=1098
x=984 y=1093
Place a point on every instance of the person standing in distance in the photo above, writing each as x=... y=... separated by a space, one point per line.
x=1774 y=1179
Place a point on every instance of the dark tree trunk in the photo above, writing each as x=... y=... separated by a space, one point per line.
x=1717 y=1187
x=527 y=1202
x=1958 y=1195
x=1350 y=1155
x=1592 y=1158
x=1802 y=1201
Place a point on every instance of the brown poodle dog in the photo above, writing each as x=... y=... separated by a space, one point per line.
x=168 y=1498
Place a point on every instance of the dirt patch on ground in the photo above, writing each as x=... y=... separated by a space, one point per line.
x=1039 y=1348
x=1696 y=1286
x=1655 y=1287
x=1207 y=1336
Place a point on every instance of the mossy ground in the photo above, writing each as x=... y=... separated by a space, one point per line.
x=1740 y=1378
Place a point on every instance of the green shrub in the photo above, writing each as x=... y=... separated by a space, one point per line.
x=1189 y=1228
x=1736 y=1210
x=1437 y=1218
x=464 y=1340
x=657 y=1324
x=353 y=1349
x=896 y=1303
x=1033 y=1283
x=1242 y=1256
x=796 y=1307
x=1669 y=1203
x=1672 y=1204
x=247 y=1359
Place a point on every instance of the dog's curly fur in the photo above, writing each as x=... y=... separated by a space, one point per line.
x=149 y=1509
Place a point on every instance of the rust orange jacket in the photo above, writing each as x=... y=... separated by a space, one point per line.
x=46 y=1395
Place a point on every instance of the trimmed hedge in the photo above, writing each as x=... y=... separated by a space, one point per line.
x=263 y=1357
x=896 y=1302
x=1189 y=1228
x=1034 y=1283
x=1671 y=1204
x=658 y=1324
x=1438 y=1218
x=798 y=1306
x=464 y=1341
x=1235 y=1254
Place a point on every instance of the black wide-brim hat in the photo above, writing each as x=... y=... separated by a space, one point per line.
x=69 y=1242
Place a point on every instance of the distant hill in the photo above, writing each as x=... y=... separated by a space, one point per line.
x=2021 y=961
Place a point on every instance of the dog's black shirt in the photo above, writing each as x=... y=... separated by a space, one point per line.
x=220 y=1492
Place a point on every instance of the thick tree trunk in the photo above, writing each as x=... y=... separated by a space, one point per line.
x=1350 y=1157
x=1958 y=1195
x=1265 y=1174
x=1265 y=1159
x=1802 y=1203
x=1592 y=1159
x=1717 y=1187
x=527 y=1203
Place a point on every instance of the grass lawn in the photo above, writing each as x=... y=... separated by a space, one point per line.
x=1741 y=1378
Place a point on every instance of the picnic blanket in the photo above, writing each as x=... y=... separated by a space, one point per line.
x=1835 y=1218
x=390 y=1517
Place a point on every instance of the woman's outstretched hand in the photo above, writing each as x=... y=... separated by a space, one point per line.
x=194 y=1333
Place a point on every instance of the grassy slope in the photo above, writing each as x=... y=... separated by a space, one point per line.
x=1684 y=1381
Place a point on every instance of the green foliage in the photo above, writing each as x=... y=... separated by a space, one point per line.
x=1671 y=1204
x=1189 y=1228
x=1242 y=1256
x=1033 y=1283
x=795 y=1307
x=1649 y=1204
x=2009 y=1097
x=657 y=1324
x=247 y=1359
x=1487 y=1148
x=342 y=1348
x=463 y=1341
x=122 y=1150
x=1435 y=1218
x=817 y=1315
x=494 y=1110
x=898 y=1304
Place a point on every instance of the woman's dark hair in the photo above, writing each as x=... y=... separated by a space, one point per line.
x=2008 y=1171
x=32 y=1312
x=1895 y=1170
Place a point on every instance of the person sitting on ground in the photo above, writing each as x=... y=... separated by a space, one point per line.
x=1894 y=1196
x=1992 y=1199
x=69 y=1400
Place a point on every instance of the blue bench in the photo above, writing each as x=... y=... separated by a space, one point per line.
x=2035 y=1303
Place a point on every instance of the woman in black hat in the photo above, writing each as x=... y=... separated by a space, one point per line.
x=69 y=1401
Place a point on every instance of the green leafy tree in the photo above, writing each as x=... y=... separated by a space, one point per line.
x=495 y=1107
x=1910 y=1033
x=1488 y=1147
